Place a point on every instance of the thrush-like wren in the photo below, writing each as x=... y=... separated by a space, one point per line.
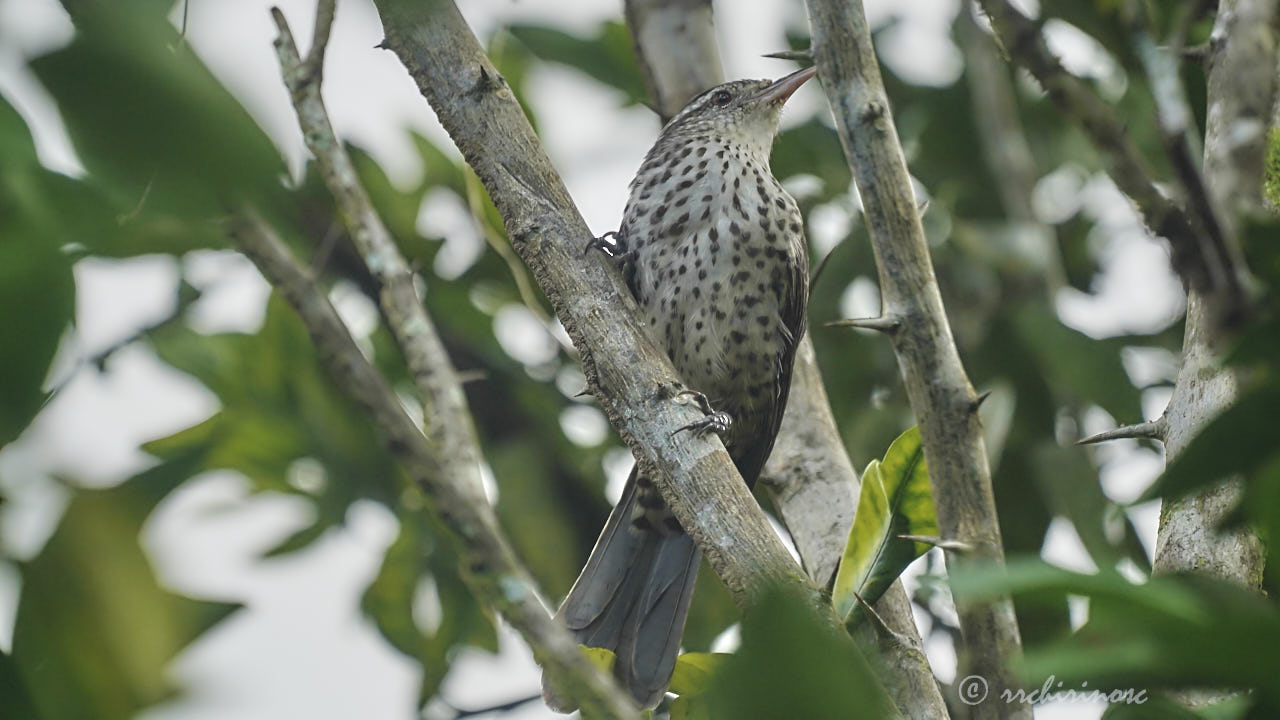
x=715 y=255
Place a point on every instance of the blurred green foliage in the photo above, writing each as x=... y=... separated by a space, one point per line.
x=166 y=149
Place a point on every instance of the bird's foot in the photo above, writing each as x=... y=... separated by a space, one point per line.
x=614 y=246
x=715 y=421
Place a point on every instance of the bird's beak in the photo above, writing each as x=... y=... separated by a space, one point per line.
x=782 y=88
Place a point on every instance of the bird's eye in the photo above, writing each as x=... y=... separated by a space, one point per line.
x=722 y=98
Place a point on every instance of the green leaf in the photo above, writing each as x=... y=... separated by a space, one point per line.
x=413 y=559
x=607 y=57
x=1076 y=365
x=1171 y=631
x=600 y=657
x=793 y=665
x=152 y=123
x=279 y=407
x=896 y=500
x=694 y=671
x=17 y=703
x=95 y=631
x=37 y=288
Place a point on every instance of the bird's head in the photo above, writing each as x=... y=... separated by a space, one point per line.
x=745 y=112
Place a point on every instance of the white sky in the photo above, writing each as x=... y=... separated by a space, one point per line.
x=302 y=649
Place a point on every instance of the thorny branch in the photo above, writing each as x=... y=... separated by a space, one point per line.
x=941 y=395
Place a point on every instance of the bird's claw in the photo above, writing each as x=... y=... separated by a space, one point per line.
x=610 y=243
x=715 y=421
x=614 y=247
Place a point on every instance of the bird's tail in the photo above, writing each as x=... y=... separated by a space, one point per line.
x=632 y=598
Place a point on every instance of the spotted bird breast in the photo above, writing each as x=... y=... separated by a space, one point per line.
x=721 y=274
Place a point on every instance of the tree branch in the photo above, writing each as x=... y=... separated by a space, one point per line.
x=492 y=570
x=1241 y=88
x=447 y=420
x=675 y=44
x=1205 y=262
x=939 y=391
x=632 y=378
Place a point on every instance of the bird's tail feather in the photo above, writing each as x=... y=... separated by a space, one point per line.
x=632 y=598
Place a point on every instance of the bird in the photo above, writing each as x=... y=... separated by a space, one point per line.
x=713 y=250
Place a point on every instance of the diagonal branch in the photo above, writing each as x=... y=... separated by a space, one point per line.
x=939 y=390
x=493 y=572
x=1206 y=261
x=632 y=378
x=449 y=432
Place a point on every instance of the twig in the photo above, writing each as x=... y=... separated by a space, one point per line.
x=1204 y=263
x=459 y=713
x=490 y=567
x=448 y=421
x=937 y=386
x=631 y=377
x=449 y=432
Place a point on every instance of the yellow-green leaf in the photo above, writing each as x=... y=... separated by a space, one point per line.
x=693 y=672
x=896 y=500
x=600 y=657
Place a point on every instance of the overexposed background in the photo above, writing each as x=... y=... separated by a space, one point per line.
x=301 y=647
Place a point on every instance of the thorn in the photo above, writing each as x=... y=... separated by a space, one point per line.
x=882 y=629
x=977 y=403
x=586 y=392
x=805 y=54
x=922 y=207
x=1153 y=430
x=1196 y=53
x=957 y=545
x=885 y=324
x=473 y=375
x=382 y=45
